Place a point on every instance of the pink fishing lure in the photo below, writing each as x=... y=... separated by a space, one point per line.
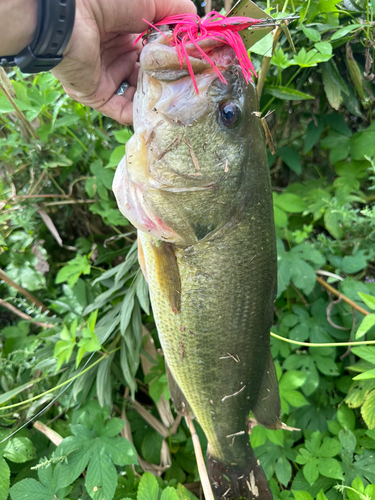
x=190 y=28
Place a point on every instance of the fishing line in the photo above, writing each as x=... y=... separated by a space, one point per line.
x=51 y=402
x=329 y=344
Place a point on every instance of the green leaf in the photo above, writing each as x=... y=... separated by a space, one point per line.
x=332 y=221
x=101 y=477
x=367 y=323
x=344 y=31
x=281 y=218
x=329 y=467
x=312 y=34
x=346 y=417
x=321 y=496
x=365 y=352
x=264 y=46
x=73 y=270
x=324 y=48
x=290 y=203
x=4 y=479
x=30 y=489
x=10 y=394
x=302 y=495
x=148 y=488
x=142 y=293
x=362 y=144
x=122 y=136
x=279 y=58
x=116 y=156
x=169 y=494
x=369 y=374
x=303 y=276
x=103 y=382
x=183 y=493
x=330 y=448
x=19 y=450
x=352 y=264
x=286 y=93
x=310 y=471
x=283 y=470
x=311 y=58
x=332 y=90
x=291 y=158
x=369 y=300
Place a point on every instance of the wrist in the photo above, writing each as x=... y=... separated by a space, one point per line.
x=18 y=20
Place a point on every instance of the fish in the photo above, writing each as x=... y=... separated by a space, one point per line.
x=195 y=183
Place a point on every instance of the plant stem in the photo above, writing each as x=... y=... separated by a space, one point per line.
x=24 y=315
x=208 y=495
x=19 y=288
x=328 y=344
x=85 y=149
x=342 y=297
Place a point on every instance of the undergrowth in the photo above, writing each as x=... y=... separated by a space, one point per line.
x=76 y=328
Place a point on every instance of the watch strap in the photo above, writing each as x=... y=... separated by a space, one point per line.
x=55 y=24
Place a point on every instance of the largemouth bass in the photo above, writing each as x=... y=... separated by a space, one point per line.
x=195 y=183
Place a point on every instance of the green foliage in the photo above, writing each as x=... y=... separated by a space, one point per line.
x=63 y=239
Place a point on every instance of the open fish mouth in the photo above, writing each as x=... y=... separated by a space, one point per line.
x=130 y=199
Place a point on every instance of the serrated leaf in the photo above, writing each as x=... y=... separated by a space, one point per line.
x=310 y=471
x=368 y=410
x=183 y=493
x=283 y=470
x=148 y=488
x=19 y=450
x=302 y=495
x=303 y=276
x=30 y=489
x=121 y=451
x=169 y=494
x=330 y=448
x=329 y=467
x=321 y=496
x=101 y=477
x=113 y=428
x=4 y=479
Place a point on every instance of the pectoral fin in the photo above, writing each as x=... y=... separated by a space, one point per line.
x=267 y=409
x=168 y=274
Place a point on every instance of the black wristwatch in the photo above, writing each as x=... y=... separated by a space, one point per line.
x=53 y=31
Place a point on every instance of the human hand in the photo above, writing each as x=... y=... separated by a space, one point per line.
x=100 y=54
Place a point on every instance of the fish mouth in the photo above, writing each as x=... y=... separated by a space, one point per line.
x=130 y=200
x=130 y=187
x=160 y=60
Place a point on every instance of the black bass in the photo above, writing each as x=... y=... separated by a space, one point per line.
x=195 y=183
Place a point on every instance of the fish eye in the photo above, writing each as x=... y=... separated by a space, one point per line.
x=229 y=113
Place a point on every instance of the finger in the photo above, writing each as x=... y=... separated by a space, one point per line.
x=120 y=108
x=127 y=15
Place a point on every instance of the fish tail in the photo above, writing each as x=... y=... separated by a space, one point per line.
x=244 y=479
